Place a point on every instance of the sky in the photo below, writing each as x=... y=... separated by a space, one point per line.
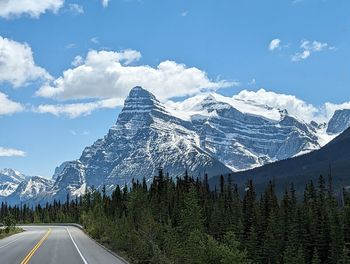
x=66 y=66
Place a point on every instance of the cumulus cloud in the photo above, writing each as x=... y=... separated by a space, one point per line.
x=294 y=105
x=17 y=65
x=275 y=44
x=308 y=47
x=78 y=60
x=32 y=8
x=107 y=74
x=77 y=109
x=8 y=106
x=10 y=152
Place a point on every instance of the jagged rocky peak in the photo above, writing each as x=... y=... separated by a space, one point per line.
x=139 y=99
x=209 y=100
x=210 y=103
x=9 y=181
x=205 y=133
x=59 y=170
x=32 y=188
x=146 y=135
x=138 y=108
x=339 y=122
x=11 y=175
x=283 y=112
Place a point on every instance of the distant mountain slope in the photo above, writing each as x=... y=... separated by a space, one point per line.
x=339 y=122
x=145 y=137
x=31 y=189
x=243 y=140
x=9 y=181
x=334 y=157
x=203 y=134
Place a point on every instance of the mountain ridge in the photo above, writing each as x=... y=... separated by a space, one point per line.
x=333 y=160
x=202 y=135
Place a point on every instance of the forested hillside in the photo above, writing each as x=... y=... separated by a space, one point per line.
x=183 y=221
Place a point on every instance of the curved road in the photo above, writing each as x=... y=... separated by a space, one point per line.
x=53 y=245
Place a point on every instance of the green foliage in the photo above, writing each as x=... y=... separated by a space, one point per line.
x=10 y=222
x=183 y=221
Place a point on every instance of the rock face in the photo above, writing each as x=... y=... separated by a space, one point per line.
x=339 y=122
x=9 y=181
x=30 y=189
x=145 y=137
x=332 y=159
x=243 y=141
x=211 y=137
x=203 y=134
x=16 y=188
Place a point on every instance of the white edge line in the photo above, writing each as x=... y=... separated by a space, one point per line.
x=11 y=242
x=81 y=255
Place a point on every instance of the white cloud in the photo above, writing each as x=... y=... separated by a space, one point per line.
x=301 y=55
x=94 y=40
x=77 y=109
x=106 y=74
x=10 y=152
x=78 y=60
x=8 y=107
x=308 y=47
x=17 y=65
x=32 y=8
x=76 y=9
x=262 y=103
x=105 y=3
x=71 y=46
x=275 y=44
x=252 y=82
x=294 y=105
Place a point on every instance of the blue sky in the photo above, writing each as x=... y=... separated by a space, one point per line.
x=225 y=44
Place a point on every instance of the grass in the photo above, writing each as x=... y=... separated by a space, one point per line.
x=9 y=231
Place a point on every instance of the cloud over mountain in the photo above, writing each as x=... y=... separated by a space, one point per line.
x=112 y=73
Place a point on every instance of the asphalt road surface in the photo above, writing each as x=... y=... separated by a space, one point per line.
x=53 y=245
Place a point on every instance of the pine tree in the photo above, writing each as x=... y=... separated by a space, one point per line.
x=315 y=258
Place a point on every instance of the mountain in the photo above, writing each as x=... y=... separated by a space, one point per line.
x=145 y=137
x=333 y=159
x=243 y=140
x=339 y=122
x=9 y=181
x=30 y=189
x=203 y=134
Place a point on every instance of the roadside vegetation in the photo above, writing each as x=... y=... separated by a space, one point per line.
x=8 y=228
x=183 y=221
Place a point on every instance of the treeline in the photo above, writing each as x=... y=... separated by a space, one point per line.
x=183 y=221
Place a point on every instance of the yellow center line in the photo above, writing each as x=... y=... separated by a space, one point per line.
x=35 y=248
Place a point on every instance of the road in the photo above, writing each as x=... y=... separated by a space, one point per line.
x=53 y=245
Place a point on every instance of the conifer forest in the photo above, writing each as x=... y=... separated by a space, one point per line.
x=182 y=220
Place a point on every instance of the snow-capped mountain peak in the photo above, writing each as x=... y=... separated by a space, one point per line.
x=207 y=133
x=9 y=181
